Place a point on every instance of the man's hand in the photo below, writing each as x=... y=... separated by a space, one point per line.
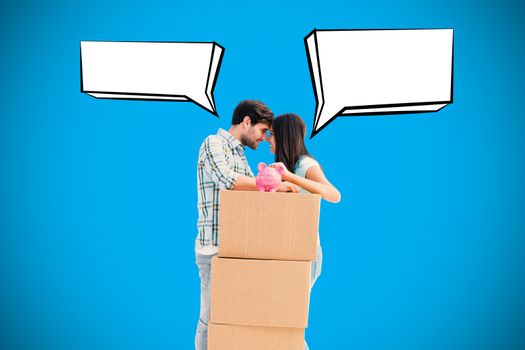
x=286 y=186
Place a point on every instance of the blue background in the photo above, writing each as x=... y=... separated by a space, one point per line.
x=98 y=200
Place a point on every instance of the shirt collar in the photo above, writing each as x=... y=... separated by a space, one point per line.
x=231 y=139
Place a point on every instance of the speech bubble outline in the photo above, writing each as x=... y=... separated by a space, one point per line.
x=340 y=42
x=164 y=71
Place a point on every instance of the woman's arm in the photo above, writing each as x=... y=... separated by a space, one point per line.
x=315 y=182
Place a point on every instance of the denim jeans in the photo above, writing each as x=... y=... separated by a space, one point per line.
x=204 y=264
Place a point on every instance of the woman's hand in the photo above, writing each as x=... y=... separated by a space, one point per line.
x=281 y=168
x=286 y=186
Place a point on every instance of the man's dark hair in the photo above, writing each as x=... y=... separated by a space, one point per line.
x=256 y=110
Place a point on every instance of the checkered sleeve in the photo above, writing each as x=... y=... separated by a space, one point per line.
x=217 y=165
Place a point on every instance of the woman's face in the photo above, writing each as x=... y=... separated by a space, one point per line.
x=271 y=140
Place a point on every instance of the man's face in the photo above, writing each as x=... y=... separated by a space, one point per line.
x=255 y=134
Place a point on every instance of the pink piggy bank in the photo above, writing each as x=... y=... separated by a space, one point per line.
x=269 y=178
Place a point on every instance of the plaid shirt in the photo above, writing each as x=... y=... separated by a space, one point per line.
x=221 y=161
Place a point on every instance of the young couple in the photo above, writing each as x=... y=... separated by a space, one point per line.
x=222 y=165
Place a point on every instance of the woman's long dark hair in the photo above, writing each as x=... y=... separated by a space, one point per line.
x=289 y=131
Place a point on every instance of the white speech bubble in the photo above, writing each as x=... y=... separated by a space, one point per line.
x=376 y=72
x=158 y=71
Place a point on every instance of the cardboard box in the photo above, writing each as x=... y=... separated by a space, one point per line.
x=230 y=337
x=265 y=225
x=266 y=293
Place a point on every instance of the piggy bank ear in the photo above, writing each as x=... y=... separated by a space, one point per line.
x=280 y=169
x=261 y=167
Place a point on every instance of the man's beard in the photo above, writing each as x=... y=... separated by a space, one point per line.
x=245 y=140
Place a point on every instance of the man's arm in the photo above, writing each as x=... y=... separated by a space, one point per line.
x=244 y=183
x=248 y=184
x=215 y=163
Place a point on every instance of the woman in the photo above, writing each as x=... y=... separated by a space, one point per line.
x=287 y=143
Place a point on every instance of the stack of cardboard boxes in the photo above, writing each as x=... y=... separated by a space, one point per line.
x=260 y=281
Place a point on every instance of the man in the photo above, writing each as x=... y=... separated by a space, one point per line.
x=222 y=165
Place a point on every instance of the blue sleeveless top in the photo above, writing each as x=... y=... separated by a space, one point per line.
x=301 y=167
